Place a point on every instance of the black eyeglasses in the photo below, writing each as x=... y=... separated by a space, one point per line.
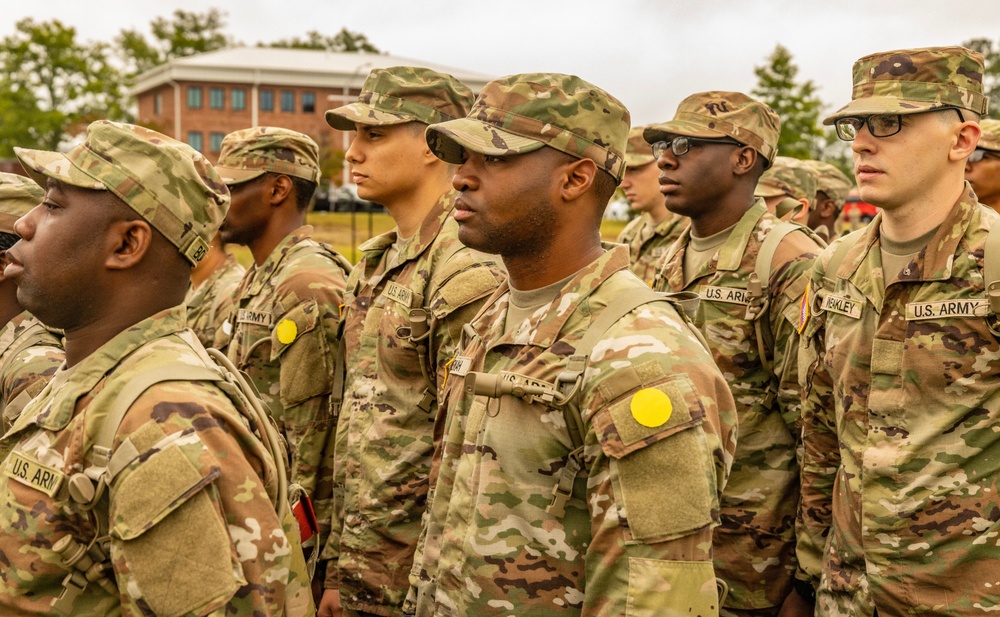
x=682 y=145
x=979 y=154
x=881 y=125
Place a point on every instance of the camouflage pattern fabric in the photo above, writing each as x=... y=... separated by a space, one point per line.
x=192 y=526
x=18 y=195
x=831 y=181
x=789 y=177
x=909 y=81
x=723 y=114
x=899 y=498
x=648 y=243
x=522 y=113
x=168 y=183
x=755 y=544
x=637 y=151
x=209 y=304
x=30 y=353
x=400 y=94
x=625 y=544
x=386 y=434
x=249 y=153
x=990 y=137
x=284 y=337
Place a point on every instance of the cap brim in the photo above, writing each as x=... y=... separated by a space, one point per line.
x=448 y=140
x=877 y=105
x=347 y=117
x=764 y=190
x=659 y=132
x=42 y=164
x=633 y=161
x=235 y=175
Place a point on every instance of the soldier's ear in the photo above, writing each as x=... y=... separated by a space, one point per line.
x=281 y=188
x=579 y=177
x=129 y=241
x=965 y=141
x=744 y=160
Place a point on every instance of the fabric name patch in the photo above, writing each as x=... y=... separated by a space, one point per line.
x=397 y=293
x=843 y=306
x=460 y=366
x=258 y=318
x=726 y=294
x=34 y=474
x=916 y=311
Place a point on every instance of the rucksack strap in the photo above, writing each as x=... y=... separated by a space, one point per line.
x=991 y=269
x=846 y=244
x=757 y=286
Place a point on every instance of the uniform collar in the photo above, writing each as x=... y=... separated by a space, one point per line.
x=262 y=275
x=430 y=227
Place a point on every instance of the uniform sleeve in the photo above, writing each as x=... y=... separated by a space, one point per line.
x=25 y=377
x=194 y=504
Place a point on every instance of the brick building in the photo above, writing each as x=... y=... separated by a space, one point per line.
x=199 y=99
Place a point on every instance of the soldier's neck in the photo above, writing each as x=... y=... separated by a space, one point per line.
x=410 y=210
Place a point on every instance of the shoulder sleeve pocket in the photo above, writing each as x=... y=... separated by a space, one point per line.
x=663 y=472
x=301 y=347
x=683 y=587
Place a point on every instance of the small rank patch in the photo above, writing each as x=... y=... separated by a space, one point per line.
x=32 y=473
x=916 y=311
x=804 y=309
x=227 y=327
x=651 y=407
x=842 y=305
x=286 y=331
x=397 y=293
x=259 y=318
x=460 y=366
x=725 y=294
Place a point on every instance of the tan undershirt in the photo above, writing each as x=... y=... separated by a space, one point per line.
x=523 y=303
x=701 y=250
x=897 y=255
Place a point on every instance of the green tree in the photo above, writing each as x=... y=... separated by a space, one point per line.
x=991 y=76
x=343 y=41
x=185 y=34
x=53 y=86
x=796 y=104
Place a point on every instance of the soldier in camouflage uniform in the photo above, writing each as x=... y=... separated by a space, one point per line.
x=788 y=189
x=173 y=514
x=30 y=353
x=751 y=329
x=650 y=234
x=900 y=358
x=283 y=326
x=832 y=188
x=406 y=303
x=580 y=473
x=982 y=169
x=210 y=299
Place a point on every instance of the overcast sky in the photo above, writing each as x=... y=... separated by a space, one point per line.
x=649 y=53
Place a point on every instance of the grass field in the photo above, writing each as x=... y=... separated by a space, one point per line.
x=340 y=231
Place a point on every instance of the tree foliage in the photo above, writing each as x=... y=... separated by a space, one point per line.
x=796 y=104
x=343 y=41
x=991 y=77
x=185 y=34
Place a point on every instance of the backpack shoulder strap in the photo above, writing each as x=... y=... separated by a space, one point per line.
x=991 y=268
x=846 y=244
x=757 y=286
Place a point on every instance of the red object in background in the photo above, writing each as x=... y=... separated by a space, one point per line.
x=306 y=518
x=865 y=209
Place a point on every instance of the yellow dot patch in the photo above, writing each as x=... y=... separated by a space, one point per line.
x=651 y=407
x=287 y=331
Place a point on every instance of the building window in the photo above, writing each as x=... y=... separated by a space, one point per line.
x=287 y=101
x=267 y=100
x=194 y=97
x=194 y=140
x=239 y=99
x=215 y=141
x=216 y=98
x=157 y=104
x=308 y=102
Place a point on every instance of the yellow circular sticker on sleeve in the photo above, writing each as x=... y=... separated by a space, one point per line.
x=287 y=331
x=651 y=407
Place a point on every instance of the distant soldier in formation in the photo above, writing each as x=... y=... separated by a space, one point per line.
x=209 y=300
x=982 y=168
x=650 y=234
x=30 y=353
x=750 y=270
x=588 y=432
x=406 y=303
x=901 y=358
x=135 y=483
x=788 y=189
x=284 y=323
x=832 y=188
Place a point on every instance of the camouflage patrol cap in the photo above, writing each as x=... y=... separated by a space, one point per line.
x=723 y=114
x=910 y=81
x=249 y=153
x=790 y=177
x=18 y=195
x=404 y=94
x=168 y=183
x=990 y=137
x=831 y=181
x=518 y=114
x=637 y=151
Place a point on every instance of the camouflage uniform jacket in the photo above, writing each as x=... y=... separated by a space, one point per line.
x=191 y=521
x=284 y=336
x=635 y=536
x=386 y=434
x=647 y=244
x=30 y=353
x=899 y=478
x=209 y=304
x=755 y=545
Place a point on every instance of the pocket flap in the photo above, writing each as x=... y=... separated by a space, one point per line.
x=292 y=325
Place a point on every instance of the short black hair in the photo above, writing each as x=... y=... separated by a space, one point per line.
x=605 y=186
x=7 y=240
x=304 y=190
